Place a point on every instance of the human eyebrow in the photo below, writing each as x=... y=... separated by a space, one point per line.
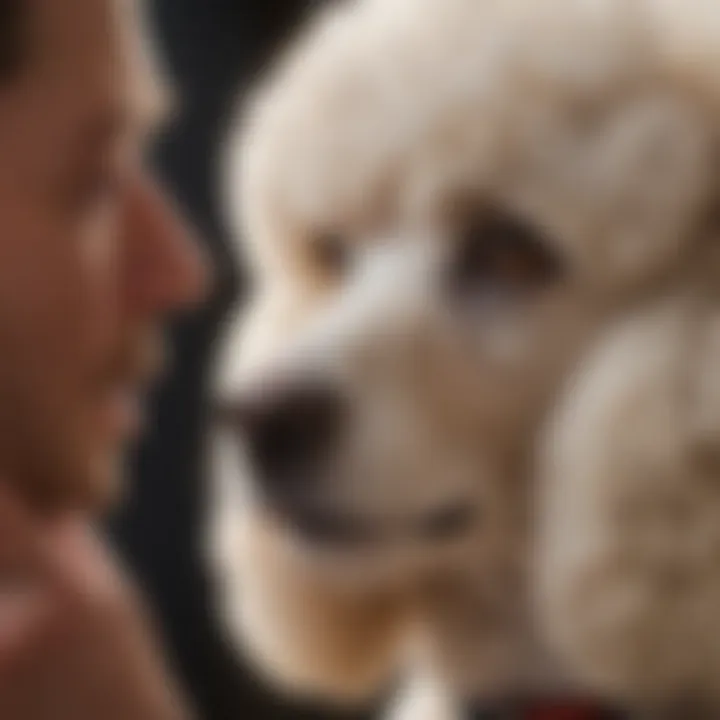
x=138 y=120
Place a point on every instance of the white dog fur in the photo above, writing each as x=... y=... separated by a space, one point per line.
x=581 y=423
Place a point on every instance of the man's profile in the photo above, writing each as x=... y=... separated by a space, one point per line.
x=92 y=260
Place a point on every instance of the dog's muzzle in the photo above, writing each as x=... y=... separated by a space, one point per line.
x=291 y=433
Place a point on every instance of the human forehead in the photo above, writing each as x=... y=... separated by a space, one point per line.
x=97 y=51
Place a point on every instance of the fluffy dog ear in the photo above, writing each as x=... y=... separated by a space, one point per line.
x=629 y=541
x=704 y=401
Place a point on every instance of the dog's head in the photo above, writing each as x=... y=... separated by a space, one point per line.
x=447 y=204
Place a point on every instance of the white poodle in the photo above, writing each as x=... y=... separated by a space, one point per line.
x=472 y=415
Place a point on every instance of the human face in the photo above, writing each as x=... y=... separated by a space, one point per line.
x=92 y=256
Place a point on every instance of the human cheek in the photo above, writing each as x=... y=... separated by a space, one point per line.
x=96 y=268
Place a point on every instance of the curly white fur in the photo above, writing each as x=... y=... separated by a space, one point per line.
x=594 y=562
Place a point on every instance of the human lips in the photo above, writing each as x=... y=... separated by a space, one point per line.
x=122 y=390
x=120 y=410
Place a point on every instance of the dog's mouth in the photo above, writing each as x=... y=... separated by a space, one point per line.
x=325 y=527
x=350 y=531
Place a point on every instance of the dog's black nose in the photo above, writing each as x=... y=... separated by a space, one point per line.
x=290 y=431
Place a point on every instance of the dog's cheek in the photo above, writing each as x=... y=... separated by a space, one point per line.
x=628 y=580
x=299 y=634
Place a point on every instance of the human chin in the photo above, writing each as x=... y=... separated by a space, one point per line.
x=84 y=473
x=102 y=460
x=70 y=474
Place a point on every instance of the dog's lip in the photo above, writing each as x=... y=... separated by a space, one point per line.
x=347 y=529
x=331 y=527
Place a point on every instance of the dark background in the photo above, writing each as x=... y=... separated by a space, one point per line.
x=214 y=49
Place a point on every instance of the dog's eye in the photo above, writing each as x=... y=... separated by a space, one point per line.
x=502 y=254
x=331 y=253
